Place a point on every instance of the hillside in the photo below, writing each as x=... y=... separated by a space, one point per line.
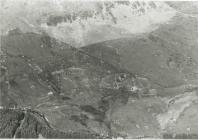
x=63 y=82
x=167 y=56
x=98 y=69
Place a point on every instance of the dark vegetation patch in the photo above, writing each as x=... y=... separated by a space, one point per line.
x=9 y=122
x=80 y=118
x=25 y=124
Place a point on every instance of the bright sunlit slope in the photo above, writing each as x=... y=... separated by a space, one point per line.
x=82 y=23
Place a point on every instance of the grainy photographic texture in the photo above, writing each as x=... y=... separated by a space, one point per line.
x=98 y=69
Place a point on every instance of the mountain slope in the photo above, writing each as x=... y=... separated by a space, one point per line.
x=166 y=56
x=131 y=86
x=82 y=23
x=75 y=91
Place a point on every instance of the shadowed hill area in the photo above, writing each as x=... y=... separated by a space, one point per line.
x=166 y=56
x=90 y=89
x=76 y=91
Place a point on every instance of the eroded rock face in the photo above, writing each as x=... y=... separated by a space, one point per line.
x=179 y=119
x=185 y=126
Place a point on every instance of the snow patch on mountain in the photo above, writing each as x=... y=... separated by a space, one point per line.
x=102 y=21
x=84 y=22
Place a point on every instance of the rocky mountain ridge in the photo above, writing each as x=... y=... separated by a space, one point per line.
x=82 y=23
